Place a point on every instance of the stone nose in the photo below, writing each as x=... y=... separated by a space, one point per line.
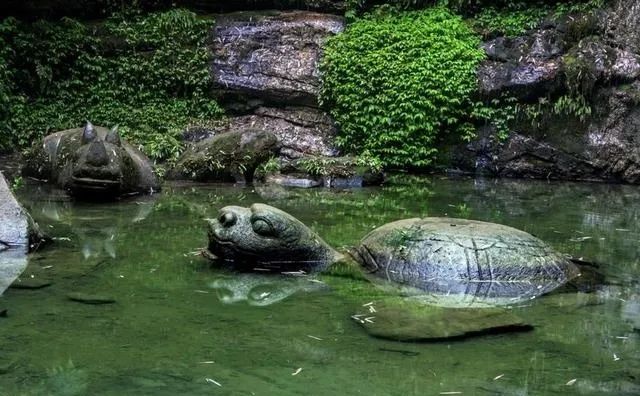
x=227 y=218
x=97 y=154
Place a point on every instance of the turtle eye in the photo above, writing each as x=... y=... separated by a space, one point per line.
x=262 y=227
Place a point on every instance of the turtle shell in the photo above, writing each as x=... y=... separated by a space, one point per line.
x=466 y=257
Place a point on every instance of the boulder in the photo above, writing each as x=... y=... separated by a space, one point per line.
x=227 y=157
x=270 y=57
x=299 y=130
x=18 y=229
x=19 y=234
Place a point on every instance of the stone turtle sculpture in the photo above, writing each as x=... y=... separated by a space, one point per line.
x=91 y=161
x=445 y=263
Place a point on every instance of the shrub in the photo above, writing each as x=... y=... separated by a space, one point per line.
x=149 y=74
x=394 y=82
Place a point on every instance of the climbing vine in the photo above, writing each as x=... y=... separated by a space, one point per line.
x=147 y=73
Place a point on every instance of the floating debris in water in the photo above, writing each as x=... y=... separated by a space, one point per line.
x=212 y=381
x=314 y=337
x=357 y=318
x=369 y=319
x=207 y=362
x=367 y=304
x=571 y=382
x=498 y=377
x=580 y=239
x=297 y=371
x=62 y=239
x=294 y=273
x=622 y=338
x=451 y=393
x=201 y=291
x=615 y=357
x=623 y=229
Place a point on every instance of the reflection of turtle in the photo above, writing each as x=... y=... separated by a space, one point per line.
x=445 y=262
x=259 y=289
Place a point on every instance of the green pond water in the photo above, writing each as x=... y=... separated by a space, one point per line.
x=180 y=326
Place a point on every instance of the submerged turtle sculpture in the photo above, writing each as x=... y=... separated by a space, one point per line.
x=91 y=161
x=456 y=265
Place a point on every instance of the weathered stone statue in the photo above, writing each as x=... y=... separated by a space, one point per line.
x=454 y=266
x=91 y=162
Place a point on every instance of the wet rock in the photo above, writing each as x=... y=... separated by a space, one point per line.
x=271 y=57
x=400 y=322
x=3 y=313
x=227 y=157
x=339 y=172
x=94 y=299
x=299 y=130
x=293 y=181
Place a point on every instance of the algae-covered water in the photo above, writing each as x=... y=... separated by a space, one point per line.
x=177 y=325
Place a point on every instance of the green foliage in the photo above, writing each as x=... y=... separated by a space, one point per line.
x=394 y=82
x=570 y=105
x=149 y=74
x=514 y=18
x=17 y=183
x=509 y=22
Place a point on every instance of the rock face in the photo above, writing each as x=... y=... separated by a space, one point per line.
x=603 y=148
x=524 y=67
x=591 y=55
x=231 y=156
x=265 y=70
x=270 y=58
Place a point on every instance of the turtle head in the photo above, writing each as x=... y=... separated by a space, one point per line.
x=98 y=162
x=265 y=237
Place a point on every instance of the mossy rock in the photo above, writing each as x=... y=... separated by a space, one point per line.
x=227 y=157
